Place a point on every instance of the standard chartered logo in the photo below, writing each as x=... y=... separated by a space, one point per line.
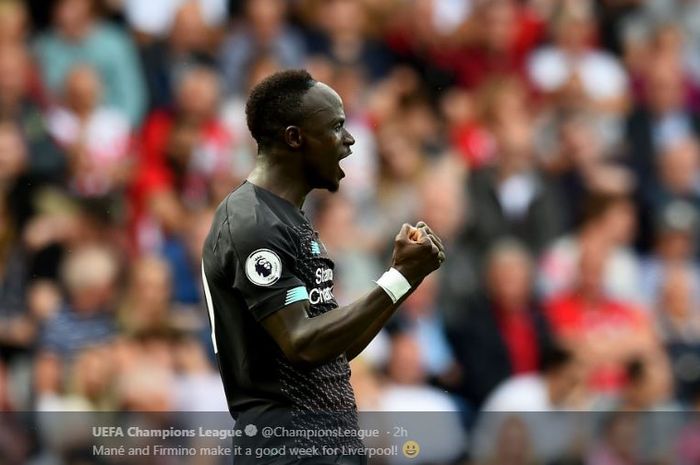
x=321 y=295
x=318 y=295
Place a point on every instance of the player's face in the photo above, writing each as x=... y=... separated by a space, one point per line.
x=326 y=141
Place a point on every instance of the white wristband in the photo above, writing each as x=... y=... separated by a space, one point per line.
x=394 y=284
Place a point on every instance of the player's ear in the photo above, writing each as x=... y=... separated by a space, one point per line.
x=292 y=136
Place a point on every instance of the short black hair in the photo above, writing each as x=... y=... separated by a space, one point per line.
x=275 y=103
x=555 y=357
x=596 y=205
x=635 y=370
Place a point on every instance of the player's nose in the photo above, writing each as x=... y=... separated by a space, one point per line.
x=348 y=139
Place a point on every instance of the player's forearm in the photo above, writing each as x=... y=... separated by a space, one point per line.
x=346 y=330
x=371 y=332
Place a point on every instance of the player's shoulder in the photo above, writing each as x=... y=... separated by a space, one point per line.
x=252 y=220
x=247 y=211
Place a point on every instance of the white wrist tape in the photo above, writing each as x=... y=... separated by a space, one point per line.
x=394 y=284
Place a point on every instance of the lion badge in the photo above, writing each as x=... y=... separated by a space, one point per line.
x=263 y=267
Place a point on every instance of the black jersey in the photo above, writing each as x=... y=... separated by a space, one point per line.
x=262 y=254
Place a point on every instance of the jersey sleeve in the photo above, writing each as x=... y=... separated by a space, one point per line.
x=265 y=271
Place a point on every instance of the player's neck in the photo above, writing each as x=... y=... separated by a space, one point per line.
x=279 y=179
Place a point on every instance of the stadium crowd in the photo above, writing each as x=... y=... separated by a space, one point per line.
x=552 y=144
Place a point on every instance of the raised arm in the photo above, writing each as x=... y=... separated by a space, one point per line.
x=347 y=330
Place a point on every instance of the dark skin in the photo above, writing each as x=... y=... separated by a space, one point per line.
x=307 y=157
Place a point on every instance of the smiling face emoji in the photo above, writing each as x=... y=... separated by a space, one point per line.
x=411 y=449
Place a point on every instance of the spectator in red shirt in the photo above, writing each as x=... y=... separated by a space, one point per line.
x=502 y=325
x=502 y=33
x=603 y=332
x=186 y=161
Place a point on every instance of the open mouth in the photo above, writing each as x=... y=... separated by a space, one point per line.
x=340 y=170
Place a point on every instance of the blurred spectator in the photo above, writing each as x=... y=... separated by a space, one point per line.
x=678 y=324
x=513 y=197
x=88 y=382
x=17 y=329
x=511 y=444
x=145 y=373
x=668 y=29
x=95 y=138
x=407 y=388
x=407 y=145
x=649 y=385
x=559 y=387
x=573 y=65
x=402 y=164
x=153 y=19
x=407 y=391
x=502 y=325
x=443 y=205
x=685 y=443
x=5 y=405
x=501 y=33
x=676 y=310
x=679 y=171
x=619 y=441
x=342 y=36
x=649 y=389
x=677 y=179
x=90 y=277
x=14 y=161
x=466 y=132
x=62 y=223
x=14 y=23
x=79 y=36
x=472 y=116
x=421 y=318
x=416 y=37
x=607 y=221
x=579 y=161
x=660 y=121
x=147 y=301
x=15 y=447
x=416 y=117
x=189 y=40
x=185 y=160
x=197 y=382
x=604 y=333
x=675 y=231
x=19 y=105
x=182 y=252
x=264 y=32
x=386 y=97
x=366 y=384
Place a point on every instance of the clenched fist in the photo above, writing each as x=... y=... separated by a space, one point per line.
x=417 y=252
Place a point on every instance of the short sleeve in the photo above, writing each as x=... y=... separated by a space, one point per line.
x=265 y=271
